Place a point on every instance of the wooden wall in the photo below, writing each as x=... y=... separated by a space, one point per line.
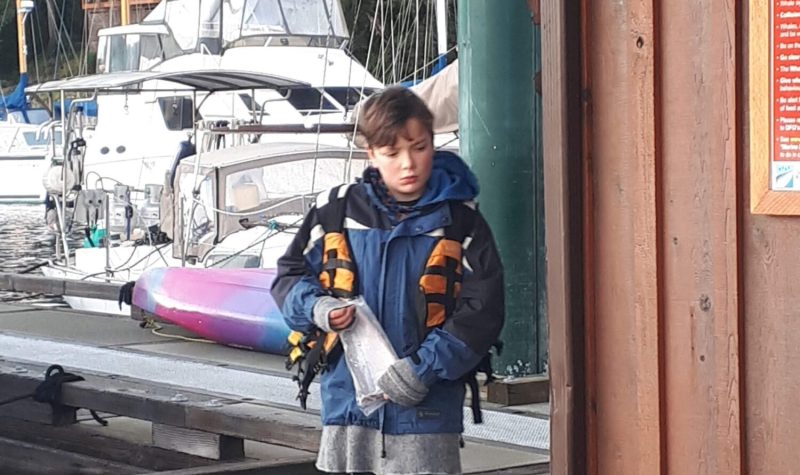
x=689 y=304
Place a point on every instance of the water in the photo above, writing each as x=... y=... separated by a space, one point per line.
x=24 y=242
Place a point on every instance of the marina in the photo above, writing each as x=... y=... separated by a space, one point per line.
x=144 y=203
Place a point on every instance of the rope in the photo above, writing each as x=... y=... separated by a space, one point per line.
x=155 y=329
x=24 y=297
x=49 y=390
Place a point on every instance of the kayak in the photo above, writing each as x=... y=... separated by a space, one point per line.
x=229 y=306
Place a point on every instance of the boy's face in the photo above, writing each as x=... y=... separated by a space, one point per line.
x=406 y=165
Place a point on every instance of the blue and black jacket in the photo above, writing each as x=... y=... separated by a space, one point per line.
x=390 y=255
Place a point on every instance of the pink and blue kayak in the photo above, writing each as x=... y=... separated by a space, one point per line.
x=229 y=306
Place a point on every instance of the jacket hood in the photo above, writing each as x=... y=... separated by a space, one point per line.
x=451 y=179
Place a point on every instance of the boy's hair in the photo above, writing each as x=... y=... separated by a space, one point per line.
x=385 y=113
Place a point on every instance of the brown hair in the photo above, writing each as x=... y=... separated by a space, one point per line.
x=385 y=113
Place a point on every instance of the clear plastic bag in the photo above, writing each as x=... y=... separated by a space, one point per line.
x=369 y=354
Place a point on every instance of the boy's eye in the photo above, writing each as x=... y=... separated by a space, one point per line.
x=421 y=147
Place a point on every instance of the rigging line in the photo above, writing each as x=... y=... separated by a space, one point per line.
x=400 y=43
x=391 y=36
x=428 y=36
x=62 y=31
x=34 y=30
x=352 y=59
x=383 y=43
x=361 y=92
x=319 y=112
x=429 y=63
x=406 y=53
x=5 y=12
x=51 y=5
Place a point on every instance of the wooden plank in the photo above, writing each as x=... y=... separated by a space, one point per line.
x=81 y=439
x=196 y=442
x=55 y=286
x=163 y=404
x=527 y=390
x=258 y=422
x=770 y=333
x=29 y=409
x=249 y=468
x=561 y=127
x=106 y=4
x=22 y=457
x=534 y=469
x=699 y=242
x=623 y=319
x=762 y=199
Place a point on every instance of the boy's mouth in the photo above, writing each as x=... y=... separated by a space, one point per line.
x=408 y=180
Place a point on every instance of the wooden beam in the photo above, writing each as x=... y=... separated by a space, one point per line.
x=55 y=286
x=196 y=442
x=699 y=235
x=256 y=467
x=562 y=133
x=623 y=315
x=106 y=4
x=100 y=444
x=525 y=390
x=163 y=404
x=22 y=457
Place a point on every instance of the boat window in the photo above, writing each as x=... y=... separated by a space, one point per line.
x=307 y=100
x=177 y=112
x=169 y=47
x=261 y=17
x=260 y=187
x=311 y=17
x=250 y=103
x=32 y=140
x=347 y=96
x=151 y=53
x=102 y=52
x=200 y=219
x=184 y=20
x=29 y=116
x=116 y=52
x=230 y=261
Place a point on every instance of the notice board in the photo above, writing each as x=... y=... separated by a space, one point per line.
x=774 y=92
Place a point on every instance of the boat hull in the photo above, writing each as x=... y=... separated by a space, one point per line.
x=229 y=306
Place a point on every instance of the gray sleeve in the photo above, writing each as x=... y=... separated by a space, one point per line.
x=401 y=384
x=322 y=309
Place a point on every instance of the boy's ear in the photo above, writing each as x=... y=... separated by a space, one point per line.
x=371 y=154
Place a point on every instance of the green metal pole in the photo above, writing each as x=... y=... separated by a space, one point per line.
x=497 y=127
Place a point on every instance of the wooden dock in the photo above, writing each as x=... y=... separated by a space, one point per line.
x=163 y=417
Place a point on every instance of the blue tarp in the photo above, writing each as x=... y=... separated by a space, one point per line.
x=438 y=65
x=16 y=100
x=88 y=108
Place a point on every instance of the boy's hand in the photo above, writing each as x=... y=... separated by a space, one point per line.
x=342 y=318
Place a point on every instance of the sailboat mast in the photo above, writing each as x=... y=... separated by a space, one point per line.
x=441 y=26
x=124 y=9
x=23 y=8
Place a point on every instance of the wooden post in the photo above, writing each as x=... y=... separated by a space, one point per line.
x=124 y=11
x=662 y=231
x=21 y=45
x=562 y=131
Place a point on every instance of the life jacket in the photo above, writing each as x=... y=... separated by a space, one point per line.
x=439 y=290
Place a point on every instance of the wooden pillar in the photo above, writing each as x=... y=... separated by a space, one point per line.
x=661 y=236
x=562 y=131
x=124 y=11
x=22 y=47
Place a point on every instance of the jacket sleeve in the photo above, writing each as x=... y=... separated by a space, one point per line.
x=297 y=288
x=449 y=352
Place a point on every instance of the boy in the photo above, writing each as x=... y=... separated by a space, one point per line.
x=425 y=261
